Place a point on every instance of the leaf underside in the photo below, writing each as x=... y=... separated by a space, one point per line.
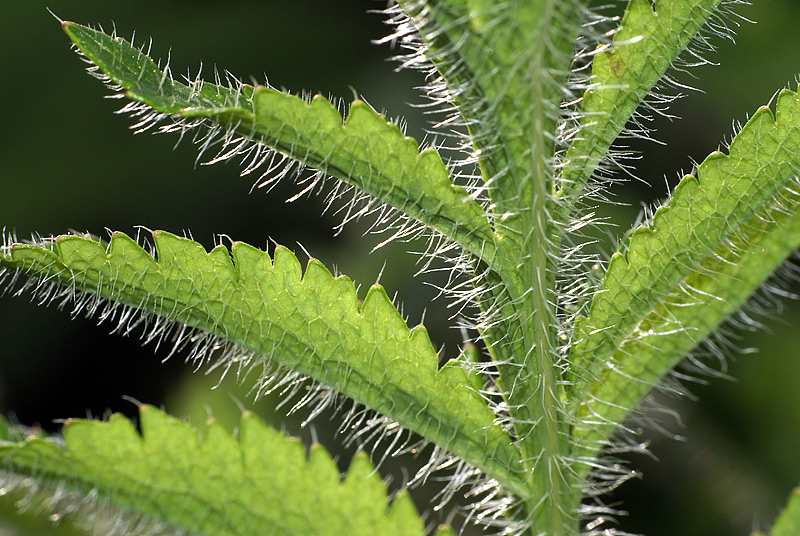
x=364 y=150
x=649 y=40
x=680 y=276
x=307 y=322
x=208 y=483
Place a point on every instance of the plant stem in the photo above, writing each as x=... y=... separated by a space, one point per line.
x=553 y=505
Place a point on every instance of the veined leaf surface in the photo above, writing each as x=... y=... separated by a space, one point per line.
x=310 y=323
x=208 y=483
x=364 y=150
x=705 y=252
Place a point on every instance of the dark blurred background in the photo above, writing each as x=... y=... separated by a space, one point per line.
x=70 y=163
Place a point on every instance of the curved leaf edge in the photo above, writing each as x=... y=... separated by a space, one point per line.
x=88 y=272
x=313 y=132
x=788 y=521
x=702 y=199
x=150 y=479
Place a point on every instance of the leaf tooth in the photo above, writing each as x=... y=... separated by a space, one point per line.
x=325 y=116
x=383 y=138
x=402 y=512
x=421 y=342
x=377 y=305
x=787 y=105
x=286 y=265
x=80 y=254
x=261 y=444
x=321 y=467
x=218 y=444
x=257 y=262
x=279 y=112
x=759 y=124
x=85 y=436
x=33 y=254
x=162 y=431
x=124 y=253
x=367 y=490
x=173 y=252
x=338 y=291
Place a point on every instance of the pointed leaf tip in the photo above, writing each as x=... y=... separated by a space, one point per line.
x=718 y=239
x=352 y=149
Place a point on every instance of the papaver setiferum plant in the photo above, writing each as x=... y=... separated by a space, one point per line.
x=562 y=340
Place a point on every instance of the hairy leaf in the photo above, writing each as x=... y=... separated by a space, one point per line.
x=506 y=66
x=536 y=415
x=310 y=323
x=364 y=150
x=646 y=43
x=530 y=42
x=704 y=253
x=208 y=483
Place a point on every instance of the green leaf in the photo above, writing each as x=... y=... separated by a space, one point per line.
x=310 y=323
x=645 y=45
x=364 y=150
x=788 y=522
x=209 y=483
x=717 y=240
x=505 y=67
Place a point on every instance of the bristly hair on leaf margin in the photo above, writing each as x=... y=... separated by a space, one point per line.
x=211 y=113
x=476 y=211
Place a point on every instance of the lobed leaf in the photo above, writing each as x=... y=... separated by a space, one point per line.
x=717 y=240
x=646 y=44
x=310 y=323
x=364 y=150
x=208 y=483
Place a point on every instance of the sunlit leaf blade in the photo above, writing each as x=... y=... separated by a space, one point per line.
x=788 y=522
x=208 y=483
x=645 y=45
x=717 y=288
x=308 y=322
x=364 y=150
x=716 y=242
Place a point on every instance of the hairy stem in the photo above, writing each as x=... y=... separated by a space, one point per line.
x=552 y=507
